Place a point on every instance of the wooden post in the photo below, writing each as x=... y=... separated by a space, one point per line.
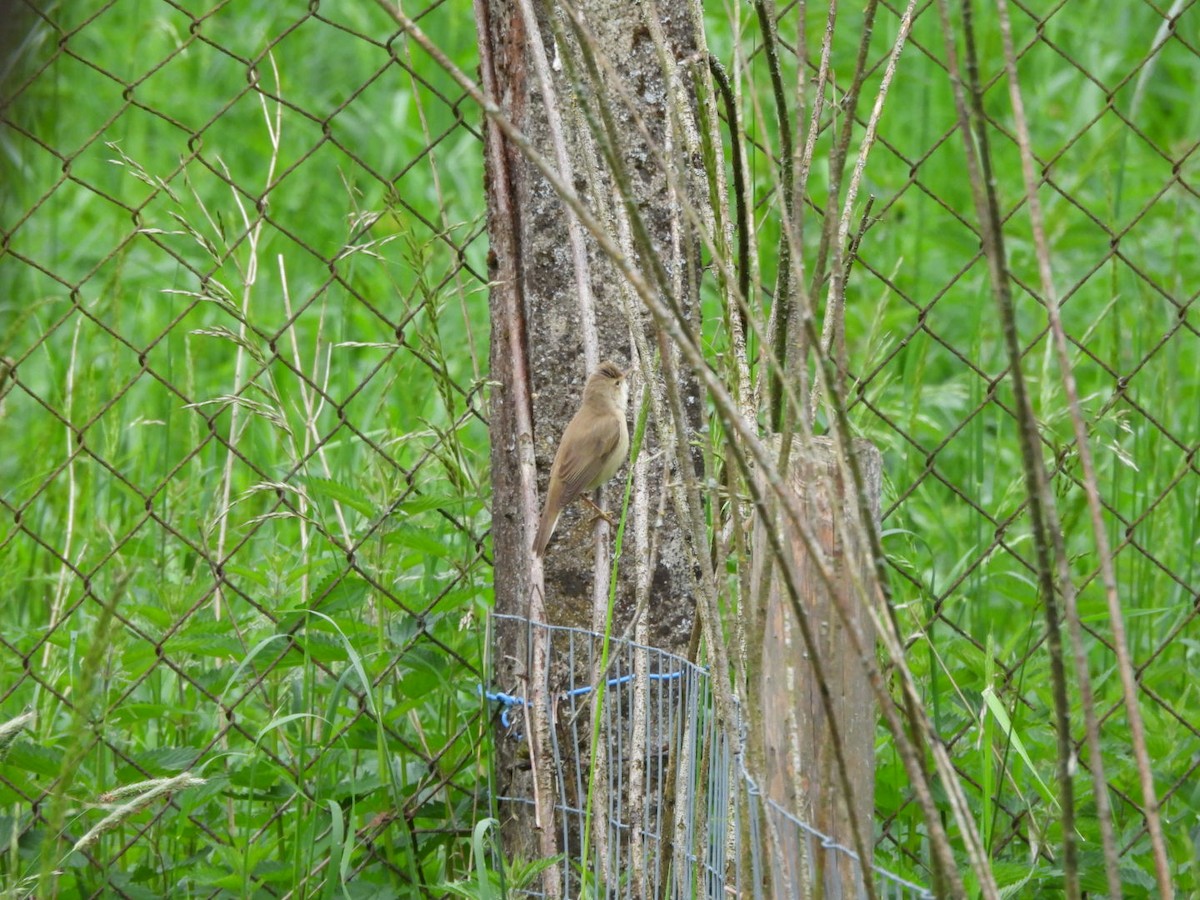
x=791 y=739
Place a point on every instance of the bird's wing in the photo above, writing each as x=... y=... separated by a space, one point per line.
x=584 y=449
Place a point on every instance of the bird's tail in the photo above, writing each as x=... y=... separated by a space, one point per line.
x=545 y=530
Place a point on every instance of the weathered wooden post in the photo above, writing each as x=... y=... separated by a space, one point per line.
x=792 y=735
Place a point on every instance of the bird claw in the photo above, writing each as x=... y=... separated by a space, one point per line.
x=598 y=512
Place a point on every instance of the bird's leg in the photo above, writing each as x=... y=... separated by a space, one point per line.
x=599 y=513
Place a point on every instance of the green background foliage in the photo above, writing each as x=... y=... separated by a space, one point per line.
x=244 y=480
x=245 y=487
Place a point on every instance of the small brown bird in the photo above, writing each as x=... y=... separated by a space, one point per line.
x=592 y=448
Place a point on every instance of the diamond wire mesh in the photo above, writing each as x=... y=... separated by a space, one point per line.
x=1116 y=155
x=243 y=505
x=235 y=412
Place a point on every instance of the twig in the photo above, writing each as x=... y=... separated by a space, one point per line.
x=737 y=314
x=834 y=327
x=841 y=147
x=518 y=395
x=777 y=330
x=1041 y=501
x=1107 y=574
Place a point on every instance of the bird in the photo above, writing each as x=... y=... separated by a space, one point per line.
x=593 y=446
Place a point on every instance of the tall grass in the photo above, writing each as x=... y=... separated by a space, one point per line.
x=245 y=488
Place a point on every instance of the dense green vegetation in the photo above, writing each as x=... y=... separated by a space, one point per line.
x=244 y=488
x=245 y=481
x=1113 y=130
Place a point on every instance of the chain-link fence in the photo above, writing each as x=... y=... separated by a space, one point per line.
x=1114 y=149
x=244 y=482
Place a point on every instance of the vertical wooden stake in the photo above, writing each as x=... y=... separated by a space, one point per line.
x=792 y=732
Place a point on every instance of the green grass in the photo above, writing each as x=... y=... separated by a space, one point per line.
x=246 y=511
x=951 y=457
x=245 y=482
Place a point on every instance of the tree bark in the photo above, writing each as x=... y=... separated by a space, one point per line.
x=544 y=331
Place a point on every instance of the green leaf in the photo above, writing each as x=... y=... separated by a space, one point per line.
x=165 y=761
x=320 y=647
x=358 y=789
x=133 y=714
x=429 y=542
x=479 y=856
x=273 y=871
x=35 y=758
x=1001 y=714
x=153 y=613
x=341 y=493
x=263 y=780
x=337 y=849
x=428 y=503
x=205 y=639
x=347 y=593
x=255 y=575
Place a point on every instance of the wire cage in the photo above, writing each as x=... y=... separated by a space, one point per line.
x=667 y=772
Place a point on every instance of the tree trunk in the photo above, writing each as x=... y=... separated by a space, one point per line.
x=550 y=327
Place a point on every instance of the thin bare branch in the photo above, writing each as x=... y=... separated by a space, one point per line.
x=1099 y=533
x=1041 y=501
x=518 y=396
x=833 y=332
